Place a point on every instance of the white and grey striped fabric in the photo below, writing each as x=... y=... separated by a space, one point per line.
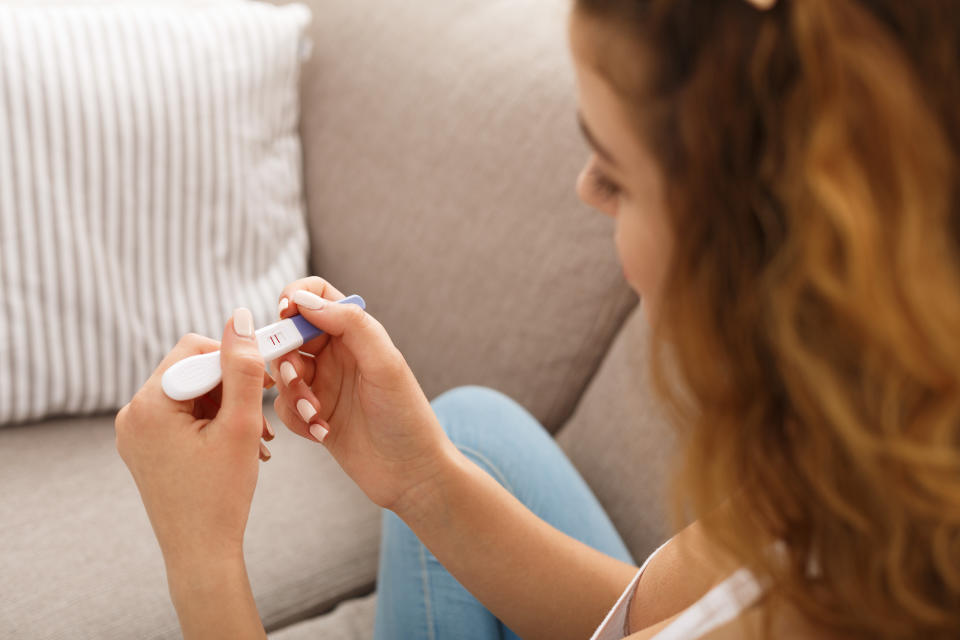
x=150 y=182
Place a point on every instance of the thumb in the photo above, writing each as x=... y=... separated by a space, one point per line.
x=361 y=333
x=241 y=403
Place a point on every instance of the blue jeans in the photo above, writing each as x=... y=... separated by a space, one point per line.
x=416 y=596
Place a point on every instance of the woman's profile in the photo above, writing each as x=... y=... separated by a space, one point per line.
x=783 y=178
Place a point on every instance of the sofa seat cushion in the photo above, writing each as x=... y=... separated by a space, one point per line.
x=351 y=620
x=80 y=560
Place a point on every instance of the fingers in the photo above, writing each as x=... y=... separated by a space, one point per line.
x=313 y=284
x=297 y=404
x=300 y=409
x=189 y=345
x=241 y=404
x=268 y=379
x=364 y=337
x=267 y=433
x=192 y=344
x=293 y=366
x=293 y=412
x=287 y=307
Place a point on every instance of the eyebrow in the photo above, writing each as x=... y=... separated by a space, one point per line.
x=592 y=140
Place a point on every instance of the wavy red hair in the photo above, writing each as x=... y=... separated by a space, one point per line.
x=808 y=341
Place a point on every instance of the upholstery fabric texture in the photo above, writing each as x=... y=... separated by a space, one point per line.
x=150 y=182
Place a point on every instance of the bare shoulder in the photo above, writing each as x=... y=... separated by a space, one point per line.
x=680 y=574
x=688 y=567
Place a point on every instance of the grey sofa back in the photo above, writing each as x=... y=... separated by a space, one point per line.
x=441 y=150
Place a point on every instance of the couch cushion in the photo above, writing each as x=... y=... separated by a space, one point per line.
x=440 y=150
x=621 y=443
x=351 y=620
x=79 y=559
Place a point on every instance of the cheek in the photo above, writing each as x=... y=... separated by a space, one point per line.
x=643 y=243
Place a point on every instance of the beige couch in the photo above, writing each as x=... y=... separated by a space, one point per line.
x=440 y=156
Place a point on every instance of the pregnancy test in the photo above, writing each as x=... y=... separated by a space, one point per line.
x=196 y=375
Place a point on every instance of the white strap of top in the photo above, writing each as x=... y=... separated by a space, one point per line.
x=719 y=606
x=716 y=608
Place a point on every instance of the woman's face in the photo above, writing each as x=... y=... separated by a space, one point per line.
x=620 y=178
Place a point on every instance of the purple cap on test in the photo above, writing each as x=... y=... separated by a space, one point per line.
x=309 y=332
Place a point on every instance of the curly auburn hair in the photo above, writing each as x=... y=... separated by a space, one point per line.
x=808 y=339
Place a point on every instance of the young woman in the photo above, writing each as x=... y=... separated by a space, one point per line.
x=783 y=176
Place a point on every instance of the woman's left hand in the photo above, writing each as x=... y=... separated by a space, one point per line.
x=195 y=462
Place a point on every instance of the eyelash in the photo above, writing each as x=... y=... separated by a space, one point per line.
x=603 y=186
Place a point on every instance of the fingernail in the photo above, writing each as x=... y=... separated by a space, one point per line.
x=309 y=300
x=317 y=431
x=305 y=409
x=264 y=452
x=284 y=303
x=243 y=322
x=270 y=432
x=288 y=373
x=268 y=368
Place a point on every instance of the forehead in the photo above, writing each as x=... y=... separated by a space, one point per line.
x=605 y=111
x=586 y=35
x=611 y=46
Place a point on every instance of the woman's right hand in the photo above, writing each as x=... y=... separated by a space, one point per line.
x=358 y=396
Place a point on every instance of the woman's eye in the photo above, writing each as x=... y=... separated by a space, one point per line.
x=603 y=186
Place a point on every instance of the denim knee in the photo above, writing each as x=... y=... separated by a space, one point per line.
x=472 y=396
x=474 y=413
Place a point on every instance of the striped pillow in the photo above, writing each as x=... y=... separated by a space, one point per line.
x=150 y=182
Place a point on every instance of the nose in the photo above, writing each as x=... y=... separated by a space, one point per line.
x=589 y=194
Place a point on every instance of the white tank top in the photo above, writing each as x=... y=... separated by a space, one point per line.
x=717 y=607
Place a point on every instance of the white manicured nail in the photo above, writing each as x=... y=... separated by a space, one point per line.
x=284 y=303
x=288 y=373
x=308 y=300
x=264 y=452
x=305 y=409
x=318 y=432
x=243 y=322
